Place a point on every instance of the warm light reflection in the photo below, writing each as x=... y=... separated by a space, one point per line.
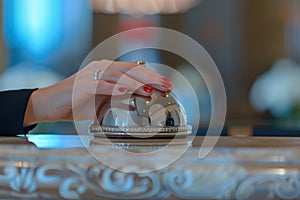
x=143 y=7
x=280 y=171
x=22 y=164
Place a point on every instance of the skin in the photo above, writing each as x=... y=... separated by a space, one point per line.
x=55 y=103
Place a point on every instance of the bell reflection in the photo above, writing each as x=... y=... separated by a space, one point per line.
x=137 y=121
x=158 y=110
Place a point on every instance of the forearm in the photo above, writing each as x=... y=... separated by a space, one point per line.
x=50 y=104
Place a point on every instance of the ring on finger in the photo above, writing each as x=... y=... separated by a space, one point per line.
x=140 y=62
x=96 y=74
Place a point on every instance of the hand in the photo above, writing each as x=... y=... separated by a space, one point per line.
x=59 y=102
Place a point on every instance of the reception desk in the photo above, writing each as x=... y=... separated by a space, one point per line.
x=236 y=168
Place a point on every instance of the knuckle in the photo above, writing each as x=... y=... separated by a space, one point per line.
x=128 y=66
x=105 y=63
x=103 y=86
x=94 y=63
x=116 y=75
x=108 y=87
x=132 y=65
x=101 y=83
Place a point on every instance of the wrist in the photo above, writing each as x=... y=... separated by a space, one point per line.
x=34 y=111
x=30 y=118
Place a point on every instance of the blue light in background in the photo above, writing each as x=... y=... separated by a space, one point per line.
x=46 y=41
x=33 y=25
x=56 y=141
x=53 y=34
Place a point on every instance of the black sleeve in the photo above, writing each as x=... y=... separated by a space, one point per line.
x=13 y=105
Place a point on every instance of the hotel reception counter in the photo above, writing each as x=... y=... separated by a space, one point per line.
x=236 y=168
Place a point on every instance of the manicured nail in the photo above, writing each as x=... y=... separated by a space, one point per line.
x=166 y=80
x=167 y=83
x=148 y=89
x=122 y=89
x=132 y=108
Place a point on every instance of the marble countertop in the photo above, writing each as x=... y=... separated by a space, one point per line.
x=43 y=166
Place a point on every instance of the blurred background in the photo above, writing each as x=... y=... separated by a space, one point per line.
x=254 y=43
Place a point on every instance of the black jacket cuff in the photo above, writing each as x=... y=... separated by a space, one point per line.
x=12 y=111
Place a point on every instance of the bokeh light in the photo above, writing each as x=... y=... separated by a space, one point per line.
x=143 y=7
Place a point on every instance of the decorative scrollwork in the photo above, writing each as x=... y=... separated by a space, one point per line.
x=270 y=186
x=71 y=181
x=125 y=185
x=205 y=181
x=221 y=176
x=20 y=182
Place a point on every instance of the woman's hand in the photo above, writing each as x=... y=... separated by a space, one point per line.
x=77 y=93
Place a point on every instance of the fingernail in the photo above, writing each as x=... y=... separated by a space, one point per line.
x=131 y=108
x=122 y=89
x=166 y=80
x=168 y=85
x=148 y=89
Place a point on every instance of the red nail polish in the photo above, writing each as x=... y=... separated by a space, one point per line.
x=166 y=80
x=148 y=89
x=122 y=89
x=167 y=84
x=131 y=108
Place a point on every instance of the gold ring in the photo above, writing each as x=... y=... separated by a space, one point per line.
x=140 y=62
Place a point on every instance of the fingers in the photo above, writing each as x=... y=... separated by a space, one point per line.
x=145 y=75
x=111 y=65
x=106 y=88
x=151 y=78
x=118 y=78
